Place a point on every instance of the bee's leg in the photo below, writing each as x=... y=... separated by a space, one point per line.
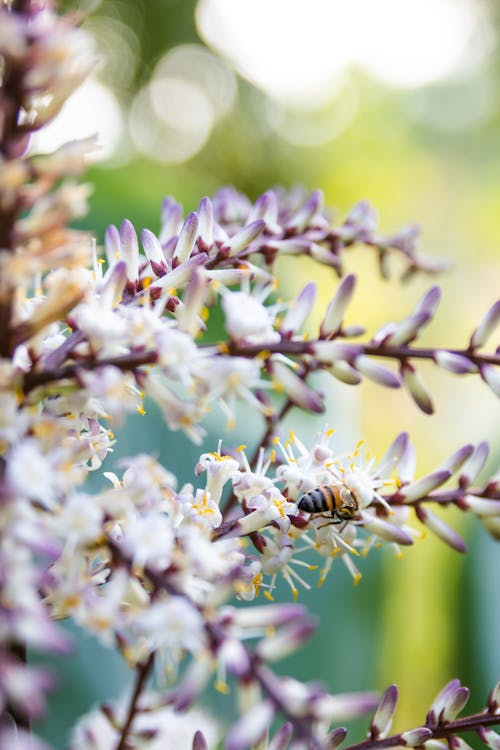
x=334 y=520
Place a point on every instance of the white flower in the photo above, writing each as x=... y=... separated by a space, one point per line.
x=149 y=541
x=30 y=473
x=247 y=319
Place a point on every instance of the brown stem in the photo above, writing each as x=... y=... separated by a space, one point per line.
x=68 y=372
x=465 y=724
x=142 y=674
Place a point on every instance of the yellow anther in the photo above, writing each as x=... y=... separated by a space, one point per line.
x=329 y=432
x=205 y=313
x=240 y=448
x=357 y=578
x=272 y=456
x=295 y=593
x=276 y=440
x=223 y=348
x=221 y=687
x=269 y=596
x=146 y=282
x=141 y=410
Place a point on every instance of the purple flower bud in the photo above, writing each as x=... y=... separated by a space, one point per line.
x=491 y=375
x=187 y=238
x=205 y=224
x=335 y=738
x=336 y=308
x=494 y=699
x=407 y=464
x=324 y=255
x=457 y=459
x=285 y=642
x=171 y=219
x=235 y=657
x=440 y=701
x=360 y=224
x=112 y=245
x=130 y=249
x=153 y=249
x=192 y=684
x=455 y=363
x=199 y=741
x=490 y=738
x=382 y=720
x=393 y=455
x=335 y=351
x=424 y=486
x=474 y=464
x=266 y=207
x=486 y=326
x=296 y=389
x=416 y=737
x=306 y=213
x=406 y=330
x=456 y=704
x=180 y=275
x=345 y=706
x=416 y=388
x=250 y=728
x=292 y=246
x=113 y=284
x=386 y=530
x=242 y=239
x=265 y=616
x=299 y=310
x=376 y=372
x=282 y=737
x=441 y=529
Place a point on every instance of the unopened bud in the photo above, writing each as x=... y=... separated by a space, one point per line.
x=382 y=720
x=486 y=326
x=441 y=529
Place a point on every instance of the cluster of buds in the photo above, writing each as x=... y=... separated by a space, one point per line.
x=151 y=569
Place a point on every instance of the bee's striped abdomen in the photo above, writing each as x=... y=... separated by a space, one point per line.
x=319 y=500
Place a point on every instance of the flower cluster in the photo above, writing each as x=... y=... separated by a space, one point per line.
x=170 y=576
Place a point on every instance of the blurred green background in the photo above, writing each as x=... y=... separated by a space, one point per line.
x=394 y=101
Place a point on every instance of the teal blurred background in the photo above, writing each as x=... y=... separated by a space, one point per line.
x=394 y=101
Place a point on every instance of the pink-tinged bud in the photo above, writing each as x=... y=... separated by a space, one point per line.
x=199 y=741
x=424 y=486
x=266 y=207
x=416 y=737
x=490 y=738
x=335 y=351
x=376 y=372
x=242 y=239
x=353 y=331
x=324 y=255
x=393 y=455
x=205 y=224
x=171 y=219
x=270 y=615
x=482 y=506
x=187 y=238
x=441 y=529
x=360 y=223
x=112 y=245
x=345 y=706
x=456 y=460
x=491 y=375
x=407 y=329
x=113 y=284
x=285 y=642
x=486 y=326
x=130 y=249
x=233 y=655
x=440 y=702
x=494 y=699
x=153 y=249
x=416 y=388
x=382 y=720
x=296 y=389
x=293 y=246
x=456 y=703
x=429 y=302
x=345 y=373
x=306 y=213
x=386 y=530
x=475 y=464
x=180 y=275
x=299 y=310
x=282 y=737
x=407 y=464
x=250 y=728
x=455 y=363
x=336 y=738
x=192 y=684
x=336 y=308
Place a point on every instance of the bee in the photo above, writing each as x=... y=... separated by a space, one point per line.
x=334 y=501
